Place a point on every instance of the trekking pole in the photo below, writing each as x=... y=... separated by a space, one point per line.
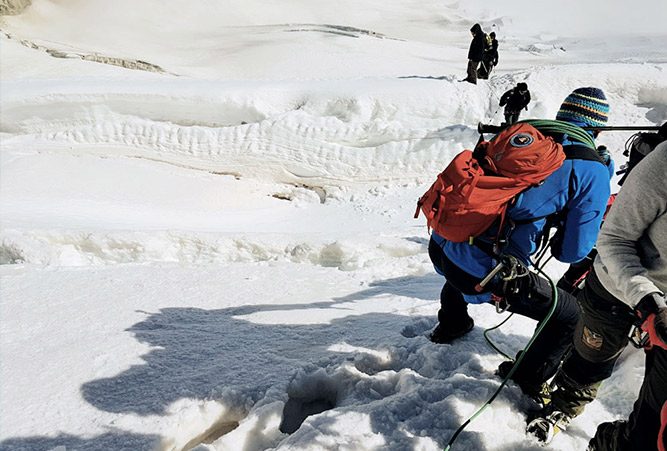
x=554 y=304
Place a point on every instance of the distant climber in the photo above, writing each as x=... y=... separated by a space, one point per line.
x=490 y=57
x=475 y=53
x=515 y=100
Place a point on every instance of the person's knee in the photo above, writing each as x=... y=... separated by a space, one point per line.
x=567 y=307
x=583 y=372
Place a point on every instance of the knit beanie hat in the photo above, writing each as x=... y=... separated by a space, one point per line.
x=587 y=105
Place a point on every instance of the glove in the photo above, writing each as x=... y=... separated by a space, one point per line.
x=656 y=327
x=604 y=154
x=652 y=311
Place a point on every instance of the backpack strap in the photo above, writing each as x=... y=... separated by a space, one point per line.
x=580 y=152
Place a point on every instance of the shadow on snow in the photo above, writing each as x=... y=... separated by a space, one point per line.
x=198 y=354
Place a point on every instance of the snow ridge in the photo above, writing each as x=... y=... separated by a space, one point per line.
x=98 y=249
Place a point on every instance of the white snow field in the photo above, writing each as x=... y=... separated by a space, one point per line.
x=206 y=216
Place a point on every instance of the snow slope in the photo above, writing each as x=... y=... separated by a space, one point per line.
x=206 y=218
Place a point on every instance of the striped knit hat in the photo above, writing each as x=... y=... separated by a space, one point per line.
x=587 y=105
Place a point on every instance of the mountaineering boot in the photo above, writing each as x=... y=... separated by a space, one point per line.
x=443 y=334
x=540 y=393
x=547 y=423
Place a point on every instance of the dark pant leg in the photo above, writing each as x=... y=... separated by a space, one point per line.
x=644 y=422
x=484 y=69
x=472 y=71
x=511 y=117
x=602 y=333
x=534 y=300
x=599 y=338
x=641 y=431
x=453 y=308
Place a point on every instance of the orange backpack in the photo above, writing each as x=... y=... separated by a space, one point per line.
x=476 y=187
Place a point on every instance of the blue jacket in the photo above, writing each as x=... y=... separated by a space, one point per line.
x=579 y=188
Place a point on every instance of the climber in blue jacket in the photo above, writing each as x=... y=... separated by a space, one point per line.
x=573 y=199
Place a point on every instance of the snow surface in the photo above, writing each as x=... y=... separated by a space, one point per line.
x=206 y=217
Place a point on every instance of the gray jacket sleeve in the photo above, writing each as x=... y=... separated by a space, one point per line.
x=629 y=261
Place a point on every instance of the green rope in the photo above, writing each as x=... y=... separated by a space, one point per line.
x=491 y=343
x=549 y=126
x=541 y=326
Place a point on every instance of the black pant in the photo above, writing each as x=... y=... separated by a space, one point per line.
x=511 y=117
x=601 y=333
x=644 y=422
x=472 y=71
x=484 y=70
x=534 y=300
x=642 y=430
x=600 y=337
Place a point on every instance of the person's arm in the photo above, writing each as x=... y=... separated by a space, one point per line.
x=585 y=211
x=638 y=204
x=478 y=44
x=503 y=99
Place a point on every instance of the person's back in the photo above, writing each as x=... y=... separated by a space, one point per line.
x=581 y=187
x=519 y=99
x=478 y=44
x=514 y=100
x=645 y=222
